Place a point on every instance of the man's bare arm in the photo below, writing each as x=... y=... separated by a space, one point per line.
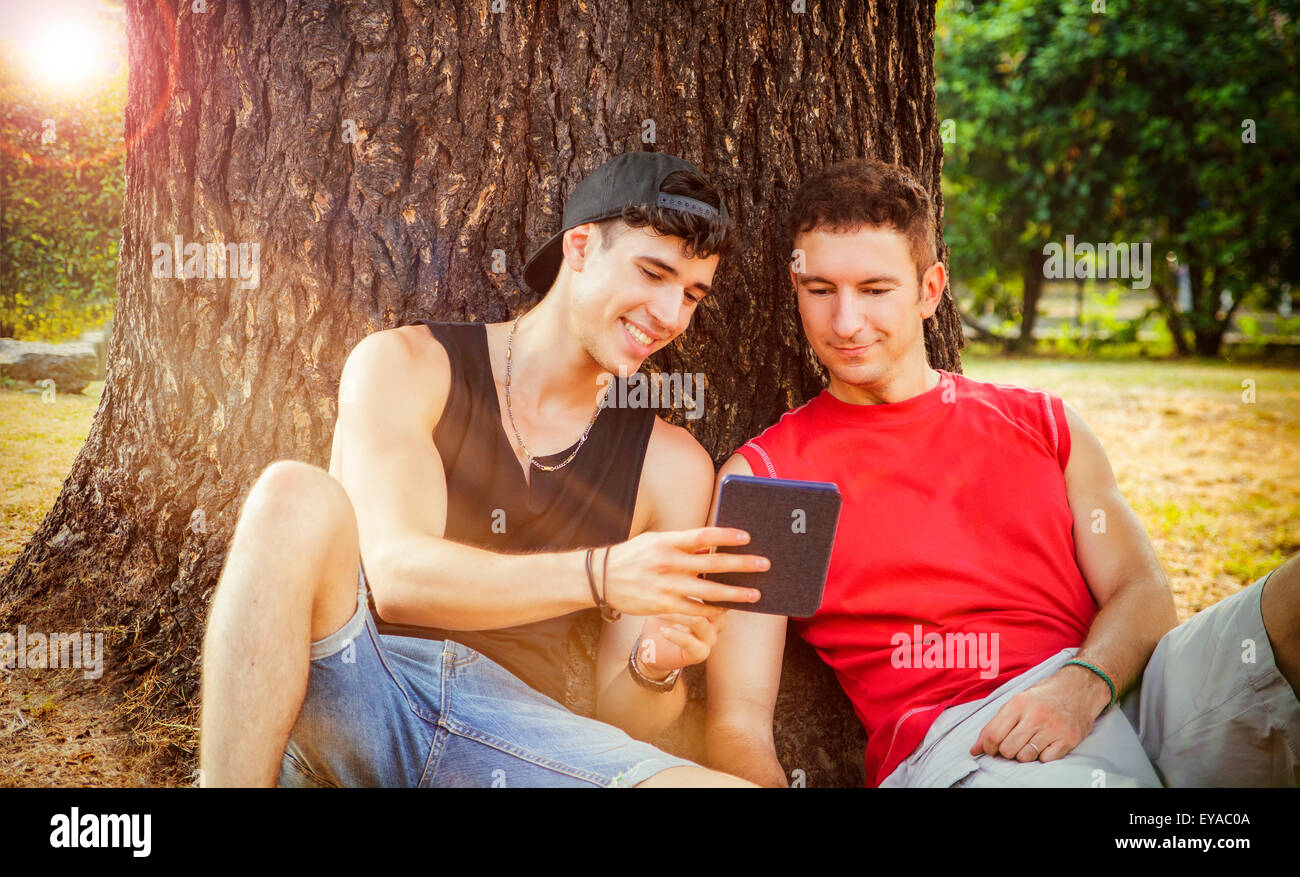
x=744 y=673
x=1119 y=564
x=393 y=389
x=677 y=480
x=1121 y=568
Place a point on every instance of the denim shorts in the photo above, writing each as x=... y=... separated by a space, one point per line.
x=398 y=711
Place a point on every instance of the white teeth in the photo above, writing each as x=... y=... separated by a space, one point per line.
x=636 y=333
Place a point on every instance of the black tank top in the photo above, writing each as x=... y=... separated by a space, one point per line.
x=587 y=503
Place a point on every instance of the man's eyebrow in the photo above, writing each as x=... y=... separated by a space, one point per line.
x=866 y=281
x=663 y=266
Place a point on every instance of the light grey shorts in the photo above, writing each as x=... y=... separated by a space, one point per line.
x=1212 y=710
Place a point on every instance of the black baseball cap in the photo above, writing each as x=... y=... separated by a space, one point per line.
x=631 y=178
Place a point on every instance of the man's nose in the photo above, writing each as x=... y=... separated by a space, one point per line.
x=665 y=310
x=847 y=319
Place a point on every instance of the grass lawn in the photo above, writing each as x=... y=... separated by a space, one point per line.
x=38 y=442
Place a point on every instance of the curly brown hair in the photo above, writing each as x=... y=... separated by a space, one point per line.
x=861 y=192
x=702 y=236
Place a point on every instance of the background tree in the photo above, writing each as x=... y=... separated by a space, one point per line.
x=61 y=187
x=1027 y=165
x=381 y=154
x=1208 y=94
x=1123 y=125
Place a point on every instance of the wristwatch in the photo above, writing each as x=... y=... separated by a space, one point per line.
x=651 y=684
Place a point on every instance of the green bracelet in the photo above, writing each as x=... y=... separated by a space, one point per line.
x=1100 y=672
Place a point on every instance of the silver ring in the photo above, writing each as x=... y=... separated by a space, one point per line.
x=1037 y=751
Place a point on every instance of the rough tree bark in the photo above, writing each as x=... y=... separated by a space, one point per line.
x=378 y=152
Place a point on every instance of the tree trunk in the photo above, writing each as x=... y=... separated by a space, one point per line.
x=1207 y=328
x=1168 y=307
x=377 y=154
x=1032 y=275
x=1209 y=341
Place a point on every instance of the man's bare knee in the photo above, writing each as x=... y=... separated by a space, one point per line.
x=1280 y=602
x=296 y=498
x=1280 y=607
x=296 y=487
x=299 y=521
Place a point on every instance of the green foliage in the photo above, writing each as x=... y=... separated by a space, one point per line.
x=1125 y=125
x=1020 y=170
x=62 y=203
x=1105 y=333
x=1258 y=342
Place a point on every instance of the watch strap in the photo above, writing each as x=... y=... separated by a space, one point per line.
x=655 y=685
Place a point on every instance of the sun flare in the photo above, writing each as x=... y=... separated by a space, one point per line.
x=68 y=53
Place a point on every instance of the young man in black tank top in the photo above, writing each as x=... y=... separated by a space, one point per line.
x=299 y=685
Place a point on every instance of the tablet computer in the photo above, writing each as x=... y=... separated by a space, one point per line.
x=792 y=524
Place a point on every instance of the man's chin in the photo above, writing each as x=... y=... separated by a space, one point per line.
x=619 y=365
x=862 y=377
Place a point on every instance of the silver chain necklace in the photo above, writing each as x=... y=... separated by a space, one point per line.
x=532 y=461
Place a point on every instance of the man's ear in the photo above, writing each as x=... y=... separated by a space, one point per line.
x=932 y=284
x=577 y=243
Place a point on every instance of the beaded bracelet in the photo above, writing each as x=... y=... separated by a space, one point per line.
x=1100 y=672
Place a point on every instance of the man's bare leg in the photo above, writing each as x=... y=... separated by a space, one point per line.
x=1280 y=606
x=290 y=579
x=694 y=778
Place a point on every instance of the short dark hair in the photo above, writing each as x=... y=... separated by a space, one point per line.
x=703 y=236
x=861 y=192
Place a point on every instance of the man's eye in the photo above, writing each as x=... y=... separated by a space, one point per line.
x=693 y=299
x=650 y=274
x=819 y=290
x=876 y=291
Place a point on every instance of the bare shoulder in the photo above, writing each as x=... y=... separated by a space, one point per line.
x=1071 y=413
x=674 y=446
x=737 y=464
x=405 y=364
x=1080 y=432
x=1088 y=469
x=1075 y=423
x=676 y=480
x=411 y=346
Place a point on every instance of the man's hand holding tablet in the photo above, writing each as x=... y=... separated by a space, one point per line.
x=657 y=573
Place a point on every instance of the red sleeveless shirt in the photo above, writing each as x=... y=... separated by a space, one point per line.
x=953 y=569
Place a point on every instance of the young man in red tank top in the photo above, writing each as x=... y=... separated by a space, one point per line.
x=991 y=595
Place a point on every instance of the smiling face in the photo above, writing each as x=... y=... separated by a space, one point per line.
x=862 y=306
x=634 y=296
